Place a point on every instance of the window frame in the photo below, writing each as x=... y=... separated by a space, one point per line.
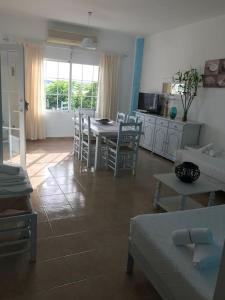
x=70 y=81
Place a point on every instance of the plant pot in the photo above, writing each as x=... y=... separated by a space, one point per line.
x=184 y=118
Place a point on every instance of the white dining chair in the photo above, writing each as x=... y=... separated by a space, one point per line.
x=123 y=153
x=87 y=140
x=77 y=127
x=88 y=143
x=121 y=117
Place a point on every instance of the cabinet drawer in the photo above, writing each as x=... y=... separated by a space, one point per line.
x=150 y=119
x=161 y=122
x=177 y=126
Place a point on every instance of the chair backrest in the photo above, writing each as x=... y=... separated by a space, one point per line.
x=77 y=124
x=78 y=113
x=87 y=111
x=121 y=117
x=85 y=125
x=132 y=119
x=129 y=134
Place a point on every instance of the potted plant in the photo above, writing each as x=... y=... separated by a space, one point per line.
x=188 y=83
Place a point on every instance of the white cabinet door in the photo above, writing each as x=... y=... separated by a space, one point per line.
x=149 y=130
x=174 y=138
x=142 y=119
x=160 y=140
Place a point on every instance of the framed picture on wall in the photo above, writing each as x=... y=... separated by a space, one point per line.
x=222 y=66
x=221 y=80
x=214 y=74
x=210 y=80
x=212 y=67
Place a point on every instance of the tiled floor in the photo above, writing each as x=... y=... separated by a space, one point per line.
x=83 y=225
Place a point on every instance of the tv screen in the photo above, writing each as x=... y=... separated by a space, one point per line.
x=147 y=101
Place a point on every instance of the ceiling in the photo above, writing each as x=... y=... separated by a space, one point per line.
x=132 y=16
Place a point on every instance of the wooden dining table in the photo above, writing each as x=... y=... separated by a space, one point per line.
x=99 y=130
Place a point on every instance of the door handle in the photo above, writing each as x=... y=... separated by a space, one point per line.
x=26 y=105
x=23 y=105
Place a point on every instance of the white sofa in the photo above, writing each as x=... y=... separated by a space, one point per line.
x=211 y=165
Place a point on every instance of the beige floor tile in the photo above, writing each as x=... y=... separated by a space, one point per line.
x=58 y=212
x=59 y=246
x=54 y=200
x=65 y=180
x=44 y=229
x=69 y=225
x=41 y=214
x=49 y=190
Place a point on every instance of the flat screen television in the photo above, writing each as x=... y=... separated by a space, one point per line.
x=150 y=102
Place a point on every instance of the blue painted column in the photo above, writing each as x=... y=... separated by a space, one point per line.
x=139 y=49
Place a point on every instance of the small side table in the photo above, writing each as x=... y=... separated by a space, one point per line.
x=184 y=190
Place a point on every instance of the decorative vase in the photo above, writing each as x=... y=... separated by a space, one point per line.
x=184 y=119
x=173 y=112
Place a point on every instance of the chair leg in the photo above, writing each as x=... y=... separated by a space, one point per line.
x=116 y=167
x=89 y=155
x=74 y=147
x=134 y=165
x=81 y=151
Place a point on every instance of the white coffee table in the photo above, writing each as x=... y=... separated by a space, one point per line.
x=184 y=190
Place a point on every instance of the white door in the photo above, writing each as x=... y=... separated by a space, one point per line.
x=149 y=134
x=174 y=138
x=160 y=140
x=12 y=103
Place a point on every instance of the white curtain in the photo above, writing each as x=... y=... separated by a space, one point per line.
x=107 y=104
x=34 y=91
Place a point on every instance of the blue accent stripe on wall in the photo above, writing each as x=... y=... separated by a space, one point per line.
x=139 y=49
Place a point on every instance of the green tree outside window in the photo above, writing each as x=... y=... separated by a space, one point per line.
x=83 y=94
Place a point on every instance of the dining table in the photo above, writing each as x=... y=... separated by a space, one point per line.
x=100 y=130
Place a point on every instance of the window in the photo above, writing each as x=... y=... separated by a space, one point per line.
x=57 y=85
x=84 y=86
x=177 y=88
x=69 y=86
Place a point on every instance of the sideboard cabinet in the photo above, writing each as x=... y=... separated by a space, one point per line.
x=165 y=136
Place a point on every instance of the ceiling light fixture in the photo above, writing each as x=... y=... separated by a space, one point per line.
x=88 y=42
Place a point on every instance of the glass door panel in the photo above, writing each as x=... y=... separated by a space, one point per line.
x=12 y=104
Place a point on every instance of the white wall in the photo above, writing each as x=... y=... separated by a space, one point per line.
x=191 y=45
x=120 y=43
x=22 y=27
